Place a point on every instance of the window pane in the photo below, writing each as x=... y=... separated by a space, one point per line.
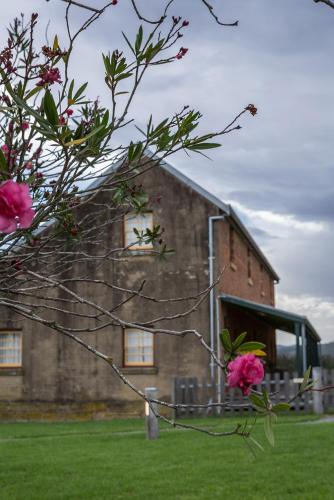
x=10 y=349
x=138 y=347
x=141 y=222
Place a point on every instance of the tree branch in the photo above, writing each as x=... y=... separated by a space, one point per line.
x=214 y=15
x=327 y=2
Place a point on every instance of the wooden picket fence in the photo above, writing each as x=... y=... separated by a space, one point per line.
x=283 y=386
x=328 y=396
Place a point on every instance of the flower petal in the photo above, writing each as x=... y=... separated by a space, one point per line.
x=26 y=218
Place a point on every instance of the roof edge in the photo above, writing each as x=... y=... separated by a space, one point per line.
x=233 y=299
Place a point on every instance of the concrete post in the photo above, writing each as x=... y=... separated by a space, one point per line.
x=152 y=422
x=318 y=399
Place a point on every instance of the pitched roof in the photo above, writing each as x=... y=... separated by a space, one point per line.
x=225 y=208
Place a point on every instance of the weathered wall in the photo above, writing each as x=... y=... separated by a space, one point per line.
x=56 y=369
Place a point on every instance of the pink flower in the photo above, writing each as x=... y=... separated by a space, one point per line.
x=15 y=206
x=69 y=112
x=24 y=126
x=245 y=371
x=49 y=76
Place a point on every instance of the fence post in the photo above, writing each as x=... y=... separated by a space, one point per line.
x=152 y=423
x=318 y=403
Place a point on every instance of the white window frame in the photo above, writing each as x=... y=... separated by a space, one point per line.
x=145 y=339
x=4 y=347
x=130 y=236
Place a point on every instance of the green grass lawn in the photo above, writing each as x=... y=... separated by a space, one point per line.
x=113 y=460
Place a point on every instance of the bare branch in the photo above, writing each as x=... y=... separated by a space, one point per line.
x=214 y=15
x=327 y=2
x=81 y=5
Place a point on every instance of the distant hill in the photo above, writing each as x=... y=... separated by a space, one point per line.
x=290 y=350
x=286 y=350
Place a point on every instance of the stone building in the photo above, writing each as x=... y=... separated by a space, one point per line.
x=44 y=374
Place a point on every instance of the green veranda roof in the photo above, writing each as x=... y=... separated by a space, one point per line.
x=282 y=320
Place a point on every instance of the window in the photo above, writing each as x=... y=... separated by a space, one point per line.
x=10 y=349
x=138 y=348
x=141 y=222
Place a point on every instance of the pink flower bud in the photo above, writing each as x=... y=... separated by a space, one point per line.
x=24 y=126
x=182 y=52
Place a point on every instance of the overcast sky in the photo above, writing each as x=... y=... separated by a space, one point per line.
x=278 y=170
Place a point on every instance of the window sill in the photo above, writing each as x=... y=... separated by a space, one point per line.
x=147 y=253
x=140 y=370
x=8 y=371
x=233 y=266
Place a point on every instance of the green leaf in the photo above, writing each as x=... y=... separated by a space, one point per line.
x=269 y=430
x=251 y=346
x=139 y=39
x=258 y=402
x=203 y=145
x=55 y=43
x=22 y=104
x=226 y=340
x=80 y=91
x=265 y=397
x=50 y=108
x=239 y=340
x=129 y=43
x=33 y=92
x=78 y=142
x=305 y=379
x=123 y=76
x=281 y=407
x=19 y=90
x=70 y=91
x=105 y=119
x=256 y=443
x=134 y=151
x=3 y=163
